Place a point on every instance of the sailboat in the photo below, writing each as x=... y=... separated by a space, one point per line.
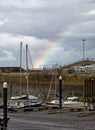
x=32 y=101
x=24 y=101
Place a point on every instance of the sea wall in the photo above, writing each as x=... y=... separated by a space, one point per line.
x=41 y=84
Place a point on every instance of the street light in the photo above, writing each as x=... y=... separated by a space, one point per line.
x=83 y=50
x=5 y=105
x=83 y=67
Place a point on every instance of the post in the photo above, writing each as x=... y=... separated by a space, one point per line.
x=83 y=52
x=20 y=65
x=83 y=67
x=27 y=74
x=60 y=91
x=5 y=105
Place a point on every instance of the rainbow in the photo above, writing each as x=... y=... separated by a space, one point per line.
x=43 y=58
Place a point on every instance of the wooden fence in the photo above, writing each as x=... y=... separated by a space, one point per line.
x=89 y=90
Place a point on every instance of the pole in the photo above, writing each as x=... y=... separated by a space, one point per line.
x=27 y=74
x=5 y=105
x=60 y=91
x=83 y=67
x=20 y=65
x=83 y=50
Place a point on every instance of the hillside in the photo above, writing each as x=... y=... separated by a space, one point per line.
x=40 y=81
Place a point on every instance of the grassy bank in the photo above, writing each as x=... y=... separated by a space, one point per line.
x=39 y=84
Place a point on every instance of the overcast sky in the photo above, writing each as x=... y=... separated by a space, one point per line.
x=53 y=29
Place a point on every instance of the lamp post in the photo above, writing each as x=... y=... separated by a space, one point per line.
x=60 y=91
x=83 y=67
x=83 y=50
x=5 y=105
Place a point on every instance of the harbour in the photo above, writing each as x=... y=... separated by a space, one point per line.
x=50 y=116
x=47 y=65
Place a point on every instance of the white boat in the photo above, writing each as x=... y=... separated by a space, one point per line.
x=32 y=98
x=24 y=101
x=22 y=104
x=73 y=101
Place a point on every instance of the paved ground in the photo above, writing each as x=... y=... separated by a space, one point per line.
x=49 y=120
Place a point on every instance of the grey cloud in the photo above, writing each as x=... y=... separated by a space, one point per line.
x=42 y=22
x=49 y=19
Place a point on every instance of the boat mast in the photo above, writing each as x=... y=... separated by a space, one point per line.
x=50 y=86
x=27 y=74
x=20 y=64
